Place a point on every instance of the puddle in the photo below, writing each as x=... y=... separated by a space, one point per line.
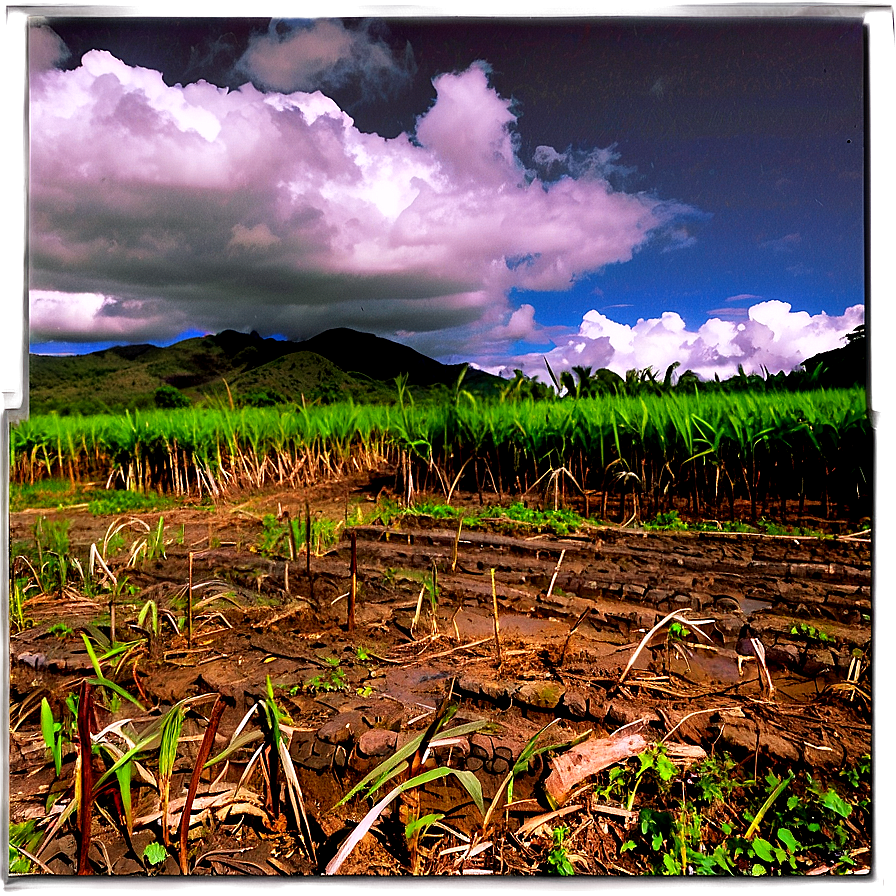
x=751 y=606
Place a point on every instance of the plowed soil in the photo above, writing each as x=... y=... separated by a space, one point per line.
x=571 y=613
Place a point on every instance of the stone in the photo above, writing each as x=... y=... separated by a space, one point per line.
x=377 y=742
x=575 y=704
x=540 y=695
x=300 y=749
x=343 y=729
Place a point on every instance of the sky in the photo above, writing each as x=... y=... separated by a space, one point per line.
x=616 y=193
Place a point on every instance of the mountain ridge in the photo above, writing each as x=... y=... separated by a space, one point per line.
x=243 y=367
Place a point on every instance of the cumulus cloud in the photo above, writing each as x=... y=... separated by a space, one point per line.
x=198 y=207
x=774 y=337
x=322 y=53
x=46 y=49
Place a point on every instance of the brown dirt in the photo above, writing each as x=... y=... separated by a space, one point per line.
x=257 y=617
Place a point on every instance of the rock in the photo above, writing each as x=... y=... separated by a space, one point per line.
x=377 y=742
x=575 y=704
x=343 y=729
x=300 y=748
x=499 y=691
x=540 y=695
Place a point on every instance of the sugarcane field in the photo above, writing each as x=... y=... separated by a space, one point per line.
x=439 y=642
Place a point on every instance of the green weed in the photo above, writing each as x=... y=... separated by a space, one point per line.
x=811 y=633
x=558 y=857
x=27 y=836
x=331 y=679
x=666 y=522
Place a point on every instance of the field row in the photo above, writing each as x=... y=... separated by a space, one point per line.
x=628 y=455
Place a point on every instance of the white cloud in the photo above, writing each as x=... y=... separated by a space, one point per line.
x=319 y=53
x=46 y=49
x=199 y=207
x=774 y=337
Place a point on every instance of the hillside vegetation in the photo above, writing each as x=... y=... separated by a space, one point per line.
x=240 y=370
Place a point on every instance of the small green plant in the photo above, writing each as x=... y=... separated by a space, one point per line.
x=666 y=522
x=558 y=857
x=18 y=596
x=60 y=630
x=278 y=536
x=149 y=611
x=331 y=679
x=653 y=762
x=24 y=835
x=811 y=633
x=52 y=734
x=154 y=853
x=859 y=772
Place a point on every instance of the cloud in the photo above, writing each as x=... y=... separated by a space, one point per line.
x=203 y=208
x=774 y=336
x=321 y=53
x=788 y=243
x=743 y=297
x=46 y=49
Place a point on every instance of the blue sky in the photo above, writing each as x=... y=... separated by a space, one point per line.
x=607 y=192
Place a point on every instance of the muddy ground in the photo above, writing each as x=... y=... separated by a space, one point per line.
x=568 y=628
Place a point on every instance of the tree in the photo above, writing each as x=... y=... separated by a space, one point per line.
x=168 y=397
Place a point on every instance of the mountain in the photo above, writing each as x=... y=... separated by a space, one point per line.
x=249 y=369
x=842 y=367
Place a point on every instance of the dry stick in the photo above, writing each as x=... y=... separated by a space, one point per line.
x=286 y=576
x=696 y=713
x=556 y=571
x=291 y=533
x=204 y=749
x=694 y=623
x=416 y=618
x=434 y=599
x=460 y=525
x=354 y=589
x=190 y=604
x=497 y=630
x=578 y=622
x=86 y=776
x=308 y=549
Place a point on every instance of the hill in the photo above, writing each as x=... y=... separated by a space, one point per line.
x=335 y=364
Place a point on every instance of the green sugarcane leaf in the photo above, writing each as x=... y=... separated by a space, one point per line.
x=90 y=652
x=241 y=741
x=420 y=824
x=387 y=769
x=49 y=728
x=102 y=681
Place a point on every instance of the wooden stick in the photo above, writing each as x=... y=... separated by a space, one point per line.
x=354 y=589
x=577 y=623
x=307 y=539
x=497 y=629
x=190 y=603
x=556 y=571
x=460 y=525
